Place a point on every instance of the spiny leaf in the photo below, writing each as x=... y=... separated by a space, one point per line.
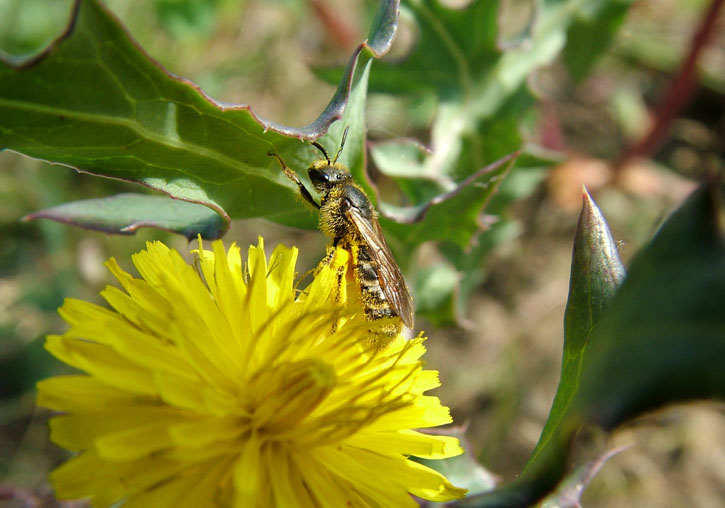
x=481 y=95
x=568 y=493
x=126 y=213
x=660 y=341
x=454 y=216
x=457 y=59
x=93 y=100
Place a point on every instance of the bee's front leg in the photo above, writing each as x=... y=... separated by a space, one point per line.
x=292 y=176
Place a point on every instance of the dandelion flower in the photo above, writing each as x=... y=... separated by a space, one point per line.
x=226 y=387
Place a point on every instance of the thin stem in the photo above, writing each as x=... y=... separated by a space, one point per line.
x=679 y=92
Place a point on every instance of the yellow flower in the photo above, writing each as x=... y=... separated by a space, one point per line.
x=226 y=387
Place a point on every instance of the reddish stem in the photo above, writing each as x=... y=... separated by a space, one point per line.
x=340 y=31
x=679 y=92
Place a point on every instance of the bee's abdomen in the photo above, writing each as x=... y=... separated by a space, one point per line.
x=375 y=302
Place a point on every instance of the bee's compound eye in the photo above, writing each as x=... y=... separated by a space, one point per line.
x=318 y=177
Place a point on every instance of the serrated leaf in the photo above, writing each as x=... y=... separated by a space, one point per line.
x=568 y=493
x=660 y=341
x=126 y=213
x=457 y=60
x=94 y=101
x=454 y=216
x=453 y=50
x=480 y=88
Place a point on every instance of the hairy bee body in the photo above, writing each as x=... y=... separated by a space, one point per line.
x=335 y=224
x=347 y=217
x=376 y=304
x=335 y=203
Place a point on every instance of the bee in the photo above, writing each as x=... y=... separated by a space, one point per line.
x=348 y=218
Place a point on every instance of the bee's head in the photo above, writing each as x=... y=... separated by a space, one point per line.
x=324 y=176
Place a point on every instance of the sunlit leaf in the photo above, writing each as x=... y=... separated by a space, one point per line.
x=126 y=213
x=660 y=341
x=596 y=273
x=95 y=101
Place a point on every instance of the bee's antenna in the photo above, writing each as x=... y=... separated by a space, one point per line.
x=324 y=152
x=342 y=144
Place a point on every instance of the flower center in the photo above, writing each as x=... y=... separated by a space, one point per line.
x=288 y=392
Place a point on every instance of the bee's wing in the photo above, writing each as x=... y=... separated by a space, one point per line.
x=389 y=276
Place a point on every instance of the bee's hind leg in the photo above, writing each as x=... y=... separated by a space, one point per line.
x=340 y=267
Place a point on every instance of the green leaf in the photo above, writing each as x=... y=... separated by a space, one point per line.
x=660 y=341
x=591 y=34
x=663 y=339
x=94 y=101
x=126 y=213
x=480 y=89
x=435 y=294
x=185 y=18
x=481 y=96
x=454 y=49
x=596 y=273
x=454 y=216
x=27 y=26
x=456 y=59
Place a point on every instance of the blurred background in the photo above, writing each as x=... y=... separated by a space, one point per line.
x=499 y=364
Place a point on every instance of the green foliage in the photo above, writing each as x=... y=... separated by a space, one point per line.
x=96 y=102
x=187 y=17
x=481 y=98
x=26 y=27
x=660 y=341
x=596 y=273
x=591 y=34
x=125 y=213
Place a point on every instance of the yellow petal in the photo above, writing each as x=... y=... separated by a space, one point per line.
x=103 y=362
x=330 y=491
x=430 y=484
x=288 y=488
x=196 y=489
x=207 y=432
x=107 y=430
x=407 y=442
x=87 y=475
x=377 y=476
x=248 y=476
x=84 y=394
